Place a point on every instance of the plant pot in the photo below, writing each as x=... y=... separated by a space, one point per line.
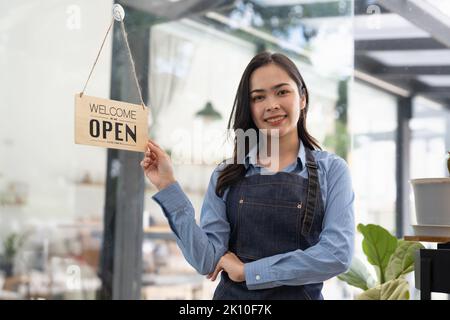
x=432 y=201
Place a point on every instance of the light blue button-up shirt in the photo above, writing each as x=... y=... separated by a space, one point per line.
x=204 y=245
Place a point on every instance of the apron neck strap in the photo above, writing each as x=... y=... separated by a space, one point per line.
x=313 y=192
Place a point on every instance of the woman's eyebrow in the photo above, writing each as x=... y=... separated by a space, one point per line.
x=273 y=88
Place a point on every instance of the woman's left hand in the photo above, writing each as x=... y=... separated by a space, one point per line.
x=231 y=264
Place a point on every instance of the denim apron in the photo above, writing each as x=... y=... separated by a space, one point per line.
x=269 y=215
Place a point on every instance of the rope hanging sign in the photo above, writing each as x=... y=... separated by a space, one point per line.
x=110 y=123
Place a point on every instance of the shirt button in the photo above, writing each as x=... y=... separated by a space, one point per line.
x=258 y=277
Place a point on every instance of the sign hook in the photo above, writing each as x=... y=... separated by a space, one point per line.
x=118 y=12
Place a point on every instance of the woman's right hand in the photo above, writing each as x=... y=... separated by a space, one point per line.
x=157 y=166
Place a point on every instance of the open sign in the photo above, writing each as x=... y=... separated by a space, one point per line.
x=110 y=123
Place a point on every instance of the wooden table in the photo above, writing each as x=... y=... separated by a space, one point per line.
x=432 y=266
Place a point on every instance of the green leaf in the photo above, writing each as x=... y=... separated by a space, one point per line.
x=378 y=245
x=402 y=260
x=358 y=275
x=397 y=289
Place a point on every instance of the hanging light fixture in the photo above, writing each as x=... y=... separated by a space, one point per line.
x=208 y=112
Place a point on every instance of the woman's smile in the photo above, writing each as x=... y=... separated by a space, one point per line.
x=275 y=120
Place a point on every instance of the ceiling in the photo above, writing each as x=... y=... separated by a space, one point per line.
x=405 y=43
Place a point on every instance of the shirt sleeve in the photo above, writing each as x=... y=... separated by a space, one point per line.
x=203 y=245
x=333 y=253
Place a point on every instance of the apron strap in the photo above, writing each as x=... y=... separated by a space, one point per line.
x=312 y=192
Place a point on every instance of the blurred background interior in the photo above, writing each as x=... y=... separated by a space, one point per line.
x=78 y=222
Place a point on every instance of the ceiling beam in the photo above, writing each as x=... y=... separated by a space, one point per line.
x=398 y=44
x=434 y=91
x=407 y=71
x=420 y=17
x=439 y=94
x=368 y=64
x=404 y=85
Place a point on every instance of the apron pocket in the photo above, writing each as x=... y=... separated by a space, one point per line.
x=267 y=227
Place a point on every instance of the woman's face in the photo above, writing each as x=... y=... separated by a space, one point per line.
x=274 y=99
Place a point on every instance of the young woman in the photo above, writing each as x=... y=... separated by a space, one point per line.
x=274 y=234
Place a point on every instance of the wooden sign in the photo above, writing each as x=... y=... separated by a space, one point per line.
x=110 y=124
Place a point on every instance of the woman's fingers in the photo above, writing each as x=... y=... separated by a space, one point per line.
x=145 y=164
x=155 y=148
x=149 y=155
x=154 y=143
x=219 y=268
x=149 y=159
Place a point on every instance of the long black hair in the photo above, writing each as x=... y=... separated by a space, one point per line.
x=240 y=117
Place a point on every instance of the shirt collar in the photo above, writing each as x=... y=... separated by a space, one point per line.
x=250 y=158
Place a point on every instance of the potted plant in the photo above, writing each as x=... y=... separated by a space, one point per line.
x=432 y=201
x=392 y=259
x=11 y=246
